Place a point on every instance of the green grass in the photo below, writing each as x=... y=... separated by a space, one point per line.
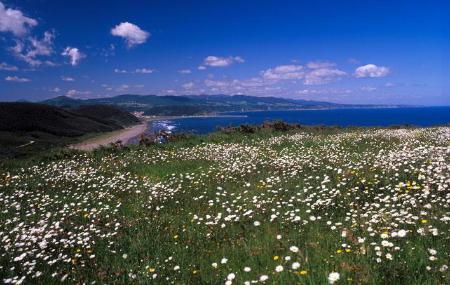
x=337 y=195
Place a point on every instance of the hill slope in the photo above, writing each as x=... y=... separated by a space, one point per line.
x=44 y=125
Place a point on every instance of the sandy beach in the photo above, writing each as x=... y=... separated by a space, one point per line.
x=123 y=135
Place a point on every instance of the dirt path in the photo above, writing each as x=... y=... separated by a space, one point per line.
x=123 y=135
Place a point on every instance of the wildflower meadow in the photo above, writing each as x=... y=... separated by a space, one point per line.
x=348 y=206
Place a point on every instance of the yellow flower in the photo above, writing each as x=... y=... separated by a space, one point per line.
x=348 y=250
x=339 y=251
x=151 y=269
x=175 y=236
x=276 y=257
x=303 y=272
x=424 y=221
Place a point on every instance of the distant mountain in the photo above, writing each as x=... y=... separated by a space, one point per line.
x=45 y=125
x=195 y=104
x=63 y=101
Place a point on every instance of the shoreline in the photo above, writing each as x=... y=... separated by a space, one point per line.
x=127 y=134
x=104 y=139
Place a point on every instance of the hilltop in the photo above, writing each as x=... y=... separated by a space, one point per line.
x=42 y=125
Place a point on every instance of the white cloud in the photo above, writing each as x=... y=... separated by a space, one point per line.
x=67 y=78
x=322 y=76
x=31 y=48
x=201 y=67
x=284 y=72
x=144 y=70
x=74 y=54
x=217 y=61
x=76 y=93
x=188 y=85
x=16 y=79
x=7 y=67
x=14 y=21
x=56 y=89
x=184 y=71
x=132 y=34
x=371 y=70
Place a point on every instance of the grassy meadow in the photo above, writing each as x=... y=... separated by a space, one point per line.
x=308 y=206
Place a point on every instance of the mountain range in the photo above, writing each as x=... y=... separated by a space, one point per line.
x=197 y=104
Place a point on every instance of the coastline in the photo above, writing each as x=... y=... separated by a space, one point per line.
x=104 y=139
x=129 y=133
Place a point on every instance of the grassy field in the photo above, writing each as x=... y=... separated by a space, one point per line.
x=351 y=206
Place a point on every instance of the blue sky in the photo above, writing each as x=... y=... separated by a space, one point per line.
x=382 y=52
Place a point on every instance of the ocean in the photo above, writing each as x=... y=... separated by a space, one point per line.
x=421 y=116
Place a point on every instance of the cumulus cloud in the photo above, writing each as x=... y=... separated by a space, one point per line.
x=371 y=70
x=16 y=79
x=284 y=72
x=74 y=54
x=27 y=48
x=317 y=72
x=217 y=61
x=31 y=48
x=323 y=76
x=131 y=33
x=67 y=78
x=7 y=67
x=184 y=71
x=14 y=21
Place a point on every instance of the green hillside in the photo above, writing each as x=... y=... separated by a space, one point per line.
x=40 y=126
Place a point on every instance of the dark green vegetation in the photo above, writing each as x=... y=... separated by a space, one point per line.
x=278 y=204
x=27 y=127
x=198 y=104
